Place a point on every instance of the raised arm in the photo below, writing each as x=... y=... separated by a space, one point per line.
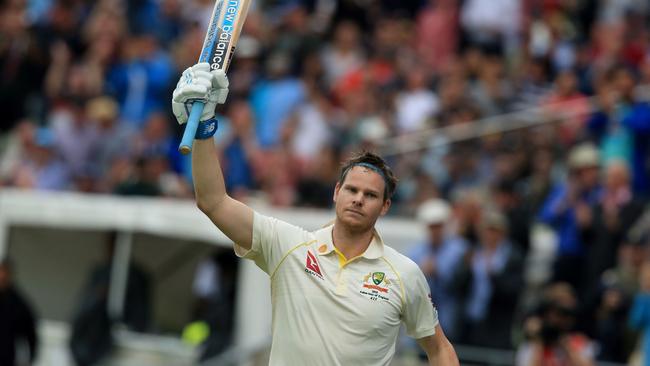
x=232 y=217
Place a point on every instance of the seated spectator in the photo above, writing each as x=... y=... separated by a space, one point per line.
x=43 y=169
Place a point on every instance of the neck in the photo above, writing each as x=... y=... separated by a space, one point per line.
x=349 y=242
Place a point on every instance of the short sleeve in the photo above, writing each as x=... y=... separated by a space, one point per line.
x=272 y=240
x=420 y=315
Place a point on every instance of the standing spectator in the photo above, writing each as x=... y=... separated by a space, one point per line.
x=438 y=258
x=618 y=286
x=345 y=53
x=416 y=105
x=215 y=290
x=568 y=211
x=622 y=128
x=493 y=276
x=239 y=150
x=508 y=200
x=539 y=182
x=437 y=34
x=568 y=105
x=492 y=24
x=274 y=99
x=17 y=320
x=614 y=214
x=141 y=78
x=22 y=64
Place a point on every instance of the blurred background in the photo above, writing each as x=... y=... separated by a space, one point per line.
x=519 y=130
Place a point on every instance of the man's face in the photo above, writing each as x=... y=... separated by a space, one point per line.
x=359 y=199
x=589 y=177
x=491 y=237
x=436 y=233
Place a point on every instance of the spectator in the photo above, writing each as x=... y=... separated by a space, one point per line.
x=622 y=129
x=91 y=338
x=144 y=180
x=75 y=136
x=508 y=200
x=214 y=288
x=19 y=145
x=141 y=78
x=491 y=92
x=43 y=169
x=275 y=99
x=417 y=104
x=605 y=310
x=114 y=139
x=610 y=220
x=550 y=335
x=568 y=211
x=344 y=55
x=438 y=34
x=569 y=106
x=24 y=61
x=17 y=319
x=493 y=276
x=639 y=314
x=438 y=257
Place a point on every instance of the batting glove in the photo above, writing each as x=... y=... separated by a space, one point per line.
x=198 y=83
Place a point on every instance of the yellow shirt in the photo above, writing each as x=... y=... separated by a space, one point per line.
x=331 y=311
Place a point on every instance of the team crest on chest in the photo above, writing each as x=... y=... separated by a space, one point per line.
x=312 y=266
x=377 y=277
x=375 y=286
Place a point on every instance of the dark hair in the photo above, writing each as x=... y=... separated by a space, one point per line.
x=371 y=160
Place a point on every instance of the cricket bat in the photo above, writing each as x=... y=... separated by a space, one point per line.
x=225 y=26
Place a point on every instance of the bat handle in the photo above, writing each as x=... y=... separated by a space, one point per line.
x=190 y=128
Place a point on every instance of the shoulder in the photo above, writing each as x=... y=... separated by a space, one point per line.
x=270 y=225
x=402 y=264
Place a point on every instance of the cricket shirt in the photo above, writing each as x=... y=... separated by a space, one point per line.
x=331 y=311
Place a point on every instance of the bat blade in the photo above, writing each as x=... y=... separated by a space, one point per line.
x=223 y=32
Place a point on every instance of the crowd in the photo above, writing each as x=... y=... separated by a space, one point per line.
x=85 y=94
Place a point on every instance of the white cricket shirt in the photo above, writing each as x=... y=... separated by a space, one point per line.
x=328 y=311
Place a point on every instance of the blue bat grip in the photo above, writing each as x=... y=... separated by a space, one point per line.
x=190 y=128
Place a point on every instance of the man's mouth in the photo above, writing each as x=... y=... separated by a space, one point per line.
x=355 y=212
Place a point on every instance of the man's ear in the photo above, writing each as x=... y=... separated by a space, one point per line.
x=337 y=187
x=386 y=206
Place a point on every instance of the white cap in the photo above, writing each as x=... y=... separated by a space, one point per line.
x=584 y=155
x=433 y=211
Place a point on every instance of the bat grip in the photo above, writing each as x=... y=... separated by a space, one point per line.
x=190 y=128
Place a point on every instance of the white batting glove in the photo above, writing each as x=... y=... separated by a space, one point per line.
x=198 y=83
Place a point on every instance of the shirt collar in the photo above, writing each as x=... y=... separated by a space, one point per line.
x=326 y=245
